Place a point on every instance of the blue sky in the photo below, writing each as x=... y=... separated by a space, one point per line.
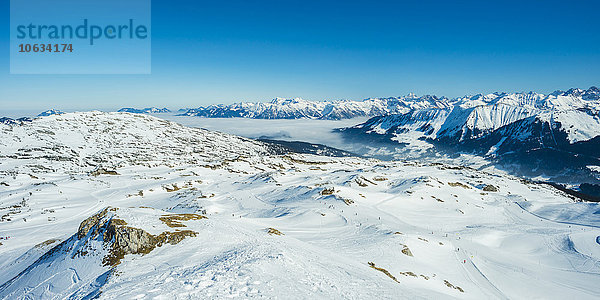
x=209 y=52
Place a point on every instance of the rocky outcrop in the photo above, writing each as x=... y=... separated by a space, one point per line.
x=86 y=260
x=490 y=188
x=102 y=171
x=91 y=223
x=121 y=239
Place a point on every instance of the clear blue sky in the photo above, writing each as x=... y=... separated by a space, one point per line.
x=226 y=51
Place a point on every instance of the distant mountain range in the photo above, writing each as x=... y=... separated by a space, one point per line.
x=556 y=134
x=11 y=121
x=148 y=110
x=297 y=108
x=20 y=121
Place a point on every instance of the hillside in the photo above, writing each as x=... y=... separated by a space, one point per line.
x=119 y=205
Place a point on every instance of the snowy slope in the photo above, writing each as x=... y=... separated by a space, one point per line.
x=198 y=214
x=92 y=139
x=476 y=116
x=427 y=121
x=473 y=122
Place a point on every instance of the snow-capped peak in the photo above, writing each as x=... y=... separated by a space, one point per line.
x=50 y=112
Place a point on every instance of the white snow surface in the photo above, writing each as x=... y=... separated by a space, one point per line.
x=432 y=227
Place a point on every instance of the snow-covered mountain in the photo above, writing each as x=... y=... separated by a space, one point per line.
x=119 y=205
x=147 y=110
x=469 y=106
x=96 y=139
x=475 y=116
x=50 y=112
x=11 y=121
x=297 y=108
x=557 y=132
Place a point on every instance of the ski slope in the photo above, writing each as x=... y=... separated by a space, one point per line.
x=273 y=226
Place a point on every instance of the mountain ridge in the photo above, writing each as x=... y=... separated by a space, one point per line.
x=541 y=135
x=297 y=108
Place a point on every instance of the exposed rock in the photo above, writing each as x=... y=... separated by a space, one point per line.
x=409 y=273
x=102 y=171
x=273 y=231
x=462 y=185
x=379 y=178
x=384 y=271
x=174 y=220
x=126 y=240
x=490 y=188
x=89 y=223
x=172 y=188
x=360 y=183
x=327 y=191
x=406 y=251
x=346 y=200
x=121 y=239
x=450 y=285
